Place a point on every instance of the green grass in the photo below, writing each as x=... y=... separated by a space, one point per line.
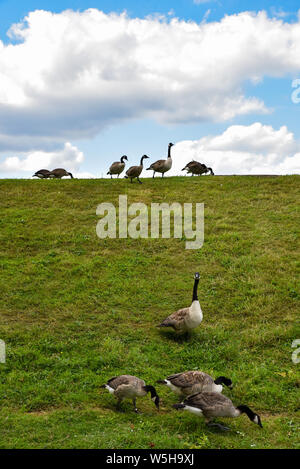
x=76 y=310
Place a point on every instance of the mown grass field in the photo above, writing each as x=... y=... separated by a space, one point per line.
x=76 y=310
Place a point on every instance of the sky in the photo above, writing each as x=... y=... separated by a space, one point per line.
x=83 y=83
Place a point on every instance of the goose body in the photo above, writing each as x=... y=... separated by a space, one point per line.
x=194 y=167
x=211 y=405
x=135 y=171
x=162 y=166
x=58 y=173
x=42 y=174
x=117 y=167
x=186 y=319
x=130 y=387
x=191 y=382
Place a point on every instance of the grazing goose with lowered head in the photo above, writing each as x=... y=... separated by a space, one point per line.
x=162 y=166
x=211 y=405
x=187 y=318
x=194 y=167
x=42 y=174
x=58 y=173
x=130 y=387
x=117 y=167
x=135 y=171
x=191 y=382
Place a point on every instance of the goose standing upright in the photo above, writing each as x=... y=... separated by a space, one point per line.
x=117 y=167
x=42 y=174
x=130 y=387
x=212 y=404
x=186 y=319
x=135 y=171
x=192 y=382
x=162 y=166
x=58 y=173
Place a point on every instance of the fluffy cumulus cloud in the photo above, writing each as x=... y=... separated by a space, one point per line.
x=242 y=149
x=67 y=75
x=69 y=156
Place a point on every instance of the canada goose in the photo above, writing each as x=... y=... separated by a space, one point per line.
x=42 y=174
x=59 y=173
x=135 y=171
x=212 y=405
x=162 y=166
x=187 y=318
x=191 y=382
x=130 y=387
x=117 y=167
x=194 y=167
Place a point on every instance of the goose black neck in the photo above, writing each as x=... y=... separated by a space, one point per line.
x=141 y=163
x=70 y=174
x=151 y=389
x=169 y=151
x=245 y=410
x=195 y=289
x=122 y=159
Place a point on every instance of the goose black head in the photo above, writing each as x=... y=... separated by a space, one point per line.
x=171 y=144
x=197 y=276
x=124 y=157
x=255 y=418
x=223 y=380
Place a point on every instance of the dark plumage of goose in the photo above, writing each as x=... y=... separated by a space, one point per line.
x=187 y=318
x=117 y=167
x=162 y=166
x=42 y=174
x=58 y=173
x=211 y=405
x=194 y=167
x=191 y=382
x=135 y=171
x=130 y=387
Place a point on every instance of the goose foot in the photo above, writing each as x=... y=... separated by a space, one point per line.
x=220 y=427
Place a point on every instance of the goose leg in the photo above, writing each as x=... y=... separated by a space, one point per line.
x=153 y=174
x=119 y=405
x=162 y=175
x=134 y=406
x=130 y=179
x=139 y=180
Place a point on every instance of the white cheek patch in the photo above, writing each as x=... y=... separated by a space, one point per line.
x=153 y=398
x=193 y=410
x=255 y=420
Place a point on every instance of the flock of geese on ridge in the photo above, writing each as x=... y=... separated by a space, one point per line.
x=202 y=395
x=116 y=168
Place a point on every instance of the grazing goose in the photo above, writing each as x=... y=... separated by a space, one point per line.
x=195 y=167
x=59 y=173
x=191 y=382
x=187 y=318
x=117 y=167
x=130 y=387
x=135 y=171
x=162 y=166
x=212 y=404
x=42 y=174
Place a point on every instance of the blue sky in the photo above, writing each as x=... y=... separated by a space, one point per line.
x=147 y=131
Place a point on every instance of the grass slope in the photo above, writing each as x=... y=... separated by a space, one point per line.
x=76 y=310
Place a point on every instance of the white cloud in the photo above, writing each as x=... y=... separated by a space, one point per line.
x=73 y=73
x=242 y=149
x=68 y=157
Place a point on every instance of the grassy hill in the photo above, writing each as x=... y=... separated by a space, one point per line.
x=76 y=310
